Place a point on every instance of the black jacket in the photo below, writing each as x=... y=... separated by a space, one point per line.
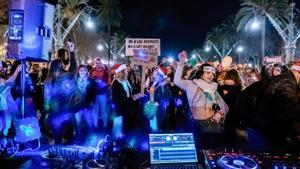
x=230 y=98
x=279 y=107
x=123 y=104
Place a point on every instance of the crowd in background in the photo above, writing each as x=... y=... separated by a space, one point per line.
x=228 y=106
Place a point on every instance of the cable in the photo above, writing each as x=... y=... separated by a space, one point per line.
x=45 y=153
x=13 y=154
x=15 y=151
x=38 y=147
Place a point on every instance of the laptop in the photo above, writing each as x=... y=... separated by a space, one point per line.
x=173 y=150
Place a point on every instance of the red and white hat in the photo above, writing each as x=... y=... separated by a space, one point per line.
x=119 y=67
x=296 y=66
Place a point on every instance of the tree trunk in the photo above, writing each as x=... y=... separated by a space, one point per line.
x=289 y=53
x=74 y=38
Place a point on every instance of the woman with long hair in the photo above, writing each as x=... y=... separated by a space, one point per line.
x=230 y=91
x=86 y=88
x=207 y=106
x=59 y=89
x=8 y=107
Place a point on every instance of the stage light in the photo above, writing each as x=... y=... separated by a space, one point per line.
x=122 y=55
x=255 y=24
x=207 y=49
x=194 y=56
x=104 y=61
x=90 y=24
x=100 y=47
x=170 y=59
x=141 y=54
x=89 y=61
x=240 y=49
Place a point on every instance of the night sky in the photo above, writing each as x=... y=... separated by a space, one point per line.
x=179 y=24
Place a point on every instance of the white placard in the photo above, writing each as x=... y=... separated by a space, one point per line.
x=141 y=43
x=276 y=59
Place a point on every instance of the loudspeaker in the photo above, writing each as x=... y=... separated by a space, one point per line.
x=30 y=30
x=27 y=129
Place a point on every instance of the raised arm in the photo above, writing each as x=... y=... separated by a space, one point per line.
x=13 y=77
x=178 y=73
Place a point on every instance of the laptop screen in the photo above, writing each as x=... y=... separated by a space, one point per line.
x=172 y=148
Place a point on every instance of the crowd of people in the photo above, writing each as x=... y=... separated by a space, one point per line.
x=222 y=106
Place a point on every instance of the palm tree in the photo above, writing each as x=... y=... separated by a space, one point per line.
x=233 y=36
x=216 y=38
x=222 y=39
x=230 y=28
x=255 y=8
x=70 y=10
x=118 y=43
x=109 y=16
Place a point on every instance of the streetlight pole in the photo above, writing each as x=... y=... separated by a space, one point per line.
x=289 y=33
x=115 y=53
x=240 y=49
x=218 y=51
x=60 y=33
x=263 y=39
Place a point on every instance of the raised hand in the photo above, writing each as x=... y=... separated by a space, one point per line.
x=182 y=56
x=71 y=46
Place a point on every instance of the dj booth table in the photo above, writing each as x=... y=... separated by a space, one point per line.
x=208 y=159
x=134 y=153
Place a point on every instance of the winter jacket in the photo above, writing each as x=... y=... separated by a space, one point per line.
x=279 y=107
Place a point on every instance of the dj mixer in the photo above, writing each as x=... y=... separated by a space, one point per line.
x=258 y=160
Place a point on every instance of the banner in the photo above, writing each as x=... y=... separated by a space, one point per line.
x=276 y=59
x=145 y=57
x=141 y=43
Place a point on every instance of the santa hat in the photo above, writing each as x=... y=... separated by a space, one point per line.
x=118 y=68
x=161 y=72
x=296 y=66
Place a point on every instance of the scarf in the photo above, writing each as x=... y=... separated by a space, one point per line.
x=209 y=90
x=126 y=86
x=82 y=83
